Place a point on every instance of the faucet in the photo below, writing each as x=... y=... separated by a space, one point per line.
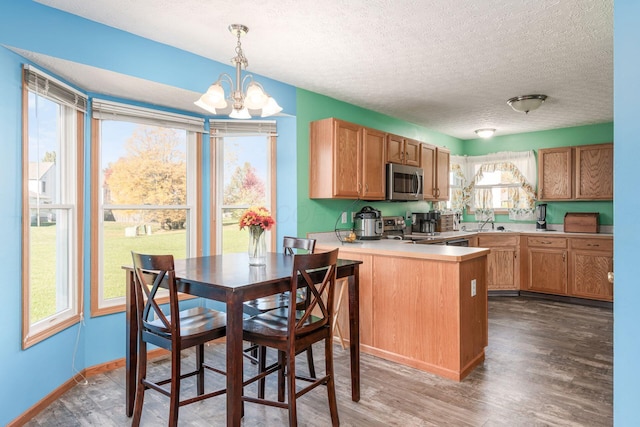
x=481 y=226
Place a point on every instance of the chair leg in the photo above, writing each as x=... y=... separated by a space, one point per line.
x=291 y=390
x=312 y=368
x=331 y=389
x=281 y=381
x=175 y=387
x=262 y=365
x=142 y=373
x=200 y=376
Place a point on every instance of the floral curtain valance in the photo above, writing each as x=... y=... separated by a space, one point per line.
x=521 y=194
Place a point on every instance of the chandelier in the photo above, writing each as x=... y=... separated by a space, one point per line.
x=246 y=94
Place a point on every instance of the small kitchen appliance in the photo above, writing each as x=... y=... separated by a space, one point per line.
x=424 y=222
x=368 y=224
x=541 y=217
x=404 y=183
x=393 y=227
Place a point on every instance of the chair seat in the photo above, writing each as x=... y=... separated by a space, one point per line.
x=273 y=324
x=194 y=322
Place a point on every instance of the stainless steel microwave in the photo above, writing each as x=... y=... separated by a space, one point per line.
x=404 y=182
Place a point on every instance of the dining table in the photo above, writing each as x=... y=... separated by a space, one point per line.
x=228 y=278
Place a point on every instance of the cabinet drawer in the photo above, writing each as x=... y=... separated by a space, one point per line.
x=492 y=241
x=592 y=244
x=547 y=242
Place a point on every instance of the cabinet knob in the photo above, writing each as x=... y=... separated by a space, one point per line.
x=610 y=276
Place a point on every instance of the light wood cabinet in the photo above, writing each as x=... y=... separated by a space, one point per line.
x=555 y=178
x=590 y=261
x=594 y=172
x=346 y=161
x=547 y=265
x=503 y=263
x=584 y=172
x=435 y=164
x=403 y=151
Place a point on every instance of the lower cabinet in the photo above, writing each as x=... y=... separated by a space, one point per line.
x=503 y=263
x=546 y=265
x=571 y=266
x=590 y=261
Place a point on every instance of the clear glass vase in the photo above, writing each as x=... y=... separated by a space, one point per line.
x=257 y=246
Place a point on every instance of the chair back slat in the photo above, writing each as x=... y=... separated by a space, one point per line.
x=291 y=243
x=150 y=272
x=317 y=273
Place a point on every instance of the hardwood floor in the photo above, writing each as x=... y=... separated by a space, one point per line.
x=547 y=364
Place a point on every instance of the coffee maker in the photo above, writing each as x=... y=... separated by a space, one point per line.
x=541 y=217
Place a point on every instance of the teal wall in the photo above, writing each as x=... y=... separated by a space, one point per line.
x=580 y=135
x=320 y=214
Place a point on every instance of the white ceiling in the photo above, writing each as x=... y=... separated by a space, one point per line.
x=449 y=65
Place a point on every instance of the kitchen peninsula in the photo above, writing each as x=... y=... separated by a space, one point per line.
x=423 y=306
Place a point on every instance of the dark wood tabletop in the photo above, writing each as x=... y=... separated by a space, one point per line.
x=230 y=279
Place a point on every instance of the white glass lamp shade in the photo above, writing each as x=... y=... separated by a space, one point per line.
x=526 y=103
x=255 y=98
x=240 y=114
x=485 y=133
x=212 y=99
x=271 y=108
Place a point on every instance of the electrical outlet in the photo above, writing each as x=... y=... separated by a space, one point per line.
x=407 y=216
x=344 y=217
x=473 y=287
x=353 y=216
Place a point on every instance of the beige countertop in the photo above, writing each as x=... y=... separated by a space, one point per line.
x=409 y=249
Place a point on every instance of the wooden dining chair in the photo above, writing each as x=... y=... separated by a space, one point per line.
x=291 y=331
x=272 y=302
x=171 y=329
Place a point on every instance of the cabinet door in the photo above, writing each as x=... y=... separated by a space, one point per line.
x=347 y=140
x=502 y=269
x=395 y=149
x=594 y=172
x=373 y=173
x=503 y=264
x=588 y=274
x=428 y=164
x=547 y=270
x=442 y=174
x=555 y=174
x=412 y=152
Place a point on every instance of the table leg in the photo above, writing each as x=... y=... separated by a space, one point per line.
x=354 y=332
x=131 y=352
x=234 y=360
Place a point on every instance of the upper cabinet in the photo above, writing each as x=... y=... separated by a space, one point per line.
x=594 y=172
x=403 y=151
x=581 y=173
x=434 y=161
x=346 y=161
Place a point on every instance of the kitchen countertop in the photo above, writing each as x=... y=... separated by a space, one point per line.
x=410 y=249
x=403 y=248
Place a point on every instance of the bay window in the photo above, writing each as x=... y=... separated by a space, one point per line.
x=146 y=170
x=53 y=116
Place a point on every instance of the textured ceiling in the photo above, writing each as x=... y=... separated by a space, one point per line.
x=446 y=65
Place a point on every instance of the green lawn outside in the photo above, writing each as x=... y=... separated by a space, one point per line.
x=117 y=252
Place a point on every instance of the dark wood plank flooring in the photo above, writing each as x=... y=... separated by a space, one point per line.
x=547 y=364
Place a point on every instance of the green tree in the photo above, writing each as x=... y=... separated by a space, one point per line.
x=245 y=187
x=153 y=172
x=49 y=156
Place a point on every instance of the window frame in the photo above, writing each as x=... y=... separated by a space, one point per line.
x=219 y=129
x=74 y=116
x=193 y=205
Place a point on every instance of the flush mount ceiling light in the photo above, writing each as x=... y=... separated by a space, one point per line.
x=245 y=94
x=485 y=133
x=526 y=103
